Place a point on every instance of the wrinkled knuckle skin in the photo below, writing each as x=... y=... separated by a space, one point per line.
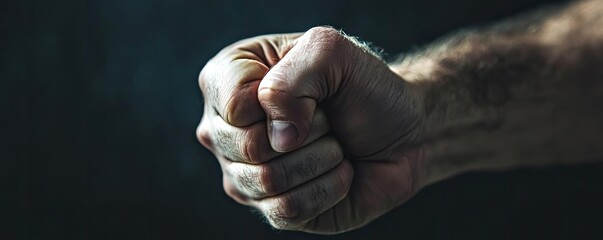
x=274 y=93
x=326 y=38
x=228 y=144
x=248 y=180
x=324 y=33
x=232 y=99
x=235 y=111
x=250 y=149
x=231 y=191
x=259 y=180
x=286 y=207
x=282 y=215
x=269 y=180
x=229 y=110
x=238 y=147
x=203 y=135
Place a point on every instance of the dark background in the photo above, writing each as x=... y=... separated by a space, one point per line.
x=100 y=102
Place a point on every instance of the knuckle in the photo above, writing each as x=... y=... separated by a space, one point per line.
x=203 y=134
x=202 y=76
x=236 y=111
x=247 y=178
x=344 y=177
x=231 y=190
x=228 y=144
x=238 y=146
x=283 y=211
x=274 y=87
x=326 y=38
x=270 y=96
x=206 y=76
x=230 y=109
x=324 y=33
x=335 y=155
x=284 y=224
x=233 y=96
x=286 y=207
x=243 y=107
x=249 y=149
x=267 y=179
x=258 y=180
x=335 y=151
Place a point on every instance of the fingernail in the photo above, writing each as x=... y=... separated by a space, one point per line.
x=284 y=135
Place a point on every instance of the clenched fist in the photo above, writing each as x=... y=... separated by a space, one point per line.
x=320 y=135
x=312 y=129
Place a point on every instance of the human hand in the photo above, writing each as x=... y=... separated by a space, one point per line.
x=306 y=169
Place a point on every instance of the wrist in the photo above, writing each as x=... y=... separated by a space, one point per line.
x=445 y=110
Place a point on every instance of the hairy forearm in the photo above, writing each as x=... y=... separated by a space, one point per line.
x=521 y=93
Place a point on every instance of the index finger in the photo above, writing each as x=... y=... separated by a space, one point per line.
x=230 y=80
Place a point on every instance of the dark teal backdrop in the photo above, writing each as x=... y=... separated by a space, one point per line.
x=99 y=104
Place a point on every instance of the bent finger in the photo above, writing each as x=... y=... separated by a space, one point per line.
x=291 y=210
x=285 y=172
x=230 y=80
x=250 y=144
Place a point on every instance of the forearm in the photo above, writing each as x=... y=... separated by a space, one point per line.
x=522 y=93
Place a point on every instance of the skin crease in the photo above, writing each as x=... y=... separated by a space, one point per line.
x=491 y=99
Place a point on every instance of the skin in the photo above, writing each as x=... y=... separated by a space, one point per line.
x=320 y=135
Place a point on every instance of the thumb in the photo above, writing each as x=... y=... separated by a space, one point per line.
x=291 y=89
